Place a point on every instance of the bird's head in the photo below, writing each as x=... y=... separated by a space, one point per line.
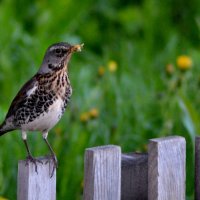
x=57 y=56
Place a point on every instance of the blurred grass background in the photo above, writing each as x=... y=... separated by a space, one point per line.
x=131 y=82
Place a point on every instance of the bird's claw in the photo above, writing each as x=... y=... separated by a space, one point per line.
x=30 y=158
x=55 y=163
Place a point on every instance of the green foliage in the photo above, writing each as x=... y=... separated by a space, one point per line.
x=137 y=99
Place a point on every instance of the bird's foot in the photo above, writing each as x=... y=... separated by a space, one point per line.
x=30 y=158
x=55 y=163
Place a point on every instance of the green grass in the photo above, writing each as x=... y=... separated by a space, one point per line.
x=137 y=102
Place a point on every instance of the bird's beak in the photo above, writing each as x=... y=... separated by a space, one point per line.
x=77 y=48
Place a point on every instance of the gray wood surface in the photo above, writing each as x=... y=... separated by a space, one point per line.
x=102 y=179
x=134 y=180
x=166 y=168
x=197 y=168
x=33 y=186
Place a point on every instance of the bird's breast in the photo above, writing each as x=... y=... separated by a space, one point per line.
x=59 y=85
x=46 y=120
x=56 y=83
x=45 y=102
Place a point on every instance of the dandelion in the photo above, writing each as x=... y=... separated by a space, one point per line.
x=112 y=66
x=145 y=148
x=94 y=113
x=82 y=183
x=84 y=117
x=2 y=198
x=169 y=69
x=58 y=132
x=101 y=71
x=184 y=62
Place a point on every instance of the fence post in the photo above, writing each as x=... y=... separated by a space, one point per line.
x=134 y=176
x=166 y=168
x=33 y=186
x=102 y=179
x=197 y=168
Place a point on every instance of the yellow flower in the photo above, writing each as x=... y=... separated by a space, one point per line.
x=145 y=148
x=169 y=69
x=82 y=183
x=58 y=131
x=112 y=66
x=2 y=198
x=94 y=113
x=101 y=71
x=84 y=117
x=184 y=62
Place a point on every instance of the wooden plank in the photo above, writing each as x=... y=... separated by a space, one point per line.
x=166 y=168
x=134 y=180
x=197 y=168
x=33 y=186
x=102 y=179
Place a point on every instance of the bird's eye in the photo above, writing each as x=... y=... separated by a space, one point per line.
x=58 y=51
x=64 y=50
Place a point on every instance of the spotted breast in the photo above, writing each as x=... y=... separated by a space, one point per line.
x=45 y=102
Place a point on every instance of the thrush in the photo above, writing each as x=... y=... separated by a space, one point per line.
x=41 y=102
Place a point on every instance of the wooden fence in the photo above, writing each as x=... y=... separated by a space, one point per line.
x=112 y=175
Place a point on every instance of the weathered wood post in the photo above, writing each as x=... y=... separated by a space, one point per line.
x=166 y=168
x=102 y=179
x=33 y=186
x=197 y=168
x=134 y=180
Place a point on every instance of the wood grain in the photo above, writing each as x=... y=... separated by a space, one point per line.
x=33 y=186
x=166 y=168
x=134 y=176
x=102 y=179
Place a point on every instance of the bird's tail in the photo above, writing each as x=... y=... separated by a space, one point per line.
x=3 y=129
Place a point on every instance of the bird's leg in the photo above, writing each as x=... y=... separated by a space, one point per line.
x=53 y=155
x=30 y=157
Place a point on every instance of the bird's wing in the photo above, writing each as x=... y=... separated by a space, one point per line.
x=21 y=96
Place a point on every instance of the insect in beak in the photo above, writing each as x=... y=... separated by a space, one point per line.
x=77 y=48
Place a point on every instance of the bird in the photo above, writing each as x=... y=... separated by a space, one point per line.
x=42 y=100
